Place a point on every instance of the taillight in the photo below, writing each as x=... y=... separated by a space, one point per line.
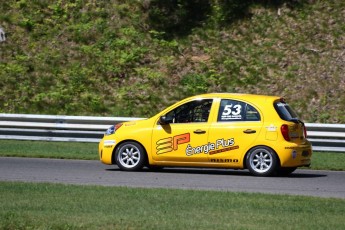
x=285 y=132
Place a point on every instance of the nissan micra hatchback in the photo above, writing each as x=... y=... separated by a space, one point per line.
x=238 y=131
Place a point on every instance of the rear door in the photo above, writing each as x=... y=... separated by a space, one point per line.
x=237 y=126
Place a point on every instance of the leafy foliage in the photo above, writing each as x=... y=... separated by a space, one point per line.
x=177 y=17
x=133 y=58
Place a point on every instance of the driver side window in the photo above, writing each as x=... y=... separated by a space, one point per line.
x=194 y=111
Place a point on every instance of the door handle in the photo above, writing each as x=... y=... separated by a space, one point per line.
x=249 y=131
x=199 y=131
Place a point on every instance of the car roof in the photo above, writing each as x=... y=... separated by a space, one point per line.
x=240 y=96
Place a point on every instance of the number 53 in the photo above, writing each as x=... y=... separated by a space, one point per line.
x=228 y=109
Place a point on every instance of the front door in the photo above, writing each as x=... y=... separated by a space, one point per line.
x=185 y=136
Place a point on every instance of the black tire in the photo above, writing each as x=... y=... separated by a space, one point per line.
x=262 y=161
x=130 y=156
x=286 y=171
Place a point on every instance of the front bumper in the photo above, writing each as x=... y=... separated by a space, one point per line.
x=105 y=151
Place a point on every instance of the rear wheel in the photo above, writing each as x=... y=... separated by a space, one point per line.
x=262 y=161
x=130 y=156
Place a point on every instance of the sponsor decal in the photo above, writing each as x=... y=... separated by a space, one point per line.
x=224 y=150
x=200 y=149
x=232 y=112
x=107 y=143
x=271 y=128
x=171 y=143
x=224 y=160
x=130 y=123
x=221 y=145
x=295 y=147
x=290 y=147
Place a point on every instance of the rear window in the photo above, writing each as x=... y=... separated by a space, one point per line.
x=285 y=111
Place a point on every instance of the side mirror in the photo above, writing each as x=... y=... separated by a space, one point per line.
x=164 y=120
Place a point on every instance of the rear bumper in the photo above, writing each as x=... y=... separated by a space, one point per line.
x=296 y=155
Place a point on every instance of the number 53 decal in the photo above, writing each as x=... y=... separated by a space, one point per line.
x=232 y=110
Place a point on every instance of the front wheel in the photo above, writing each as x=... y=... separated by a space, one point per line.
x=262 y=161
x=130 y=156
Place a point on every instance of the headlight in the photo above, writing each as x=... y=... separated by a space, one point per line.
x=112 y=129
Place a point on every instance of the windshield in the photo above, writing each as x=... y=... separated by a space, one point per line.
x=285 y=111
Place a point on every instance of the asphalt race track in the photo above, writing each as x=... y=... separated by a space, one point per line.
x=82 y=172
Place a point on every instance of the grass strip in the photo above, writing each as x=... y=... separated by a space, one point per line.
x=49 y=149
x=89 y=151
x=56 y=206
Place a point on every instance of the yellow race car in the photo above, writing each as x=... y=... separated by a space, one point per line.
x=238 y=131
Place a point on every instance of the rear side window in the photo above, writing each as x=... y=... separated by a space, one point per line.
x=232 y=110
x=284 y=111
